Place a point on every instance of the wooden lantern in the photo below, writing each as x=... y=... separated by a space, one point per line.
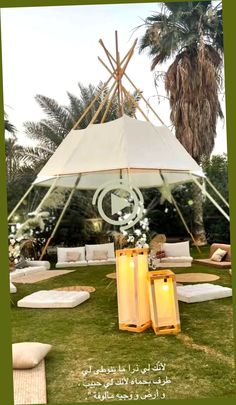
x=132 y=289
x=163 y=302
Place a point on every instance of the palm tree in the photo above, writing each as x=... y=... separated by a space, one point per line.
x=190 y=35
x=51 y=131
x=8 y=126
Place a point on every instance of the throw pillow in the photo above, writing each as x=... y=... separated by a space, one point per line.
x=22 y=264
x=218 y=255
x=100 y=255
x=28 y=354
x=160 y=254
x=73 y=256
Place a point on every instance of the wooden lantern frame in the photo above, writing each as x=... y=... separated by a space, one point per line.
x=133 y=254
x=169 y=277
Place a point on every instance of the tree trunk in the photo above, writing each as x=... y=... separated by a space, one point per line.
x=198 y=224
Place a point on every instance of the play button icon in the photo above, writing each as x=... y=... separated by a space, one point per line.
x=118 y=204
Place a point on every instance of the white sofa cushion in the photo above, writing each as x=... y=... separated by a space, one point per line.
x=174 y=259
x=27 y=270
x=176 y=249
x=202 y=292
x=36 y=263
x=62 y=265
x=53 y=299
x=62 y=253
x=96 y=262
x=109 y=247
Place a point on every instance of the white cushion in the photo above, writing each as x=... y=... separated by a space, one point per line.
x=39 y=263
x=62 y=253
x=109 y=247
x=202 y=292
x=101 y=262
x=28 y=354
x=218 y=255
x=13 y=288
x=53 y=299
x=180 y=259
x=176 y=249
x=62 y=265
x=27 y=270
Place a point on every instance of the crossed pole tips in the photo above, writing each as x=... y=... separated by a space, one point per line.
x=116 y=68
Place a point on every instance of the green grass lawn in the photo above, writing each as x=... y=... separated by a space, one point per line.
x=199 y=361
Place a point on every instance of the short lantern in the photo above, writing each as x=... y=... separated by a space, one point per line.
x=132 y=289
x=163 y=302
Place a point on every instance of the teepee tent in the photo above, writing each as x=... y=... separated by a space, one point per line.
x=126 y=148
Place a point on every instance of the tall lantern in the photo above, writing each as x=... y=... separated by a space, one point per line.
x=163 y=302
x=132 y=289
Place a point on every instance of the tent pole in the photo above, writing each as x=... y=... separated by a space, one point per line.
x=211 y=199
x=118 y=75
x=47 y=195
x=92 y=103
x=217 y=192
x=135 y=103
x=109 y=104
x=102 y=104
x=60 y=217
x=111 y=57
x=144 y=99
x=20 y=202
x=184 y=222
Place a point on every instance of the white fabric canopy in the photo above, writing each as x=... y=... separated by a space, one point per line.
x=136 y=151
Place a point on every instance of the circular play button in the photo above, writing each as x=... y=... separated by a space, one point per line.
x=116 y=190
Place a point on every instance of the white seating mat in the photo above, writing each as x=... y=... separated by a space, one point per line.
x=53 y=299
x=202 y=292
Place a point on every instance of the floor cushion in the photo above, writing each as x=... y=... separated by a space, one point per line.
x=202 y=292
x=53 y=299
x=13 y=288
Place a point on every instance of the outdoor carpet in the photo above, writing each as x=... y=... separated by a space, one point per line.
x=40 y=276
x=30 y=385
x=195 y=277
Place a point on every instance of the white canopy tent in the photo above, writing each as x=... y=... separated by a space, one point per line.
x=127 y=148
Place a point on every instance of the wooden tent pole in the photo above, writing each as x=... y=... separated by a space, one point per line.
x=109 y=104
x=127 y=77
x=109 y=55
x=60 y=217
x=184 y=222
x=141 y=95
x=20 y=202
x=135 y=103
x=92 y=102
x=47 y=194
x=102 y=104
x=118 y=73
x=217 y=192
x=211 y=199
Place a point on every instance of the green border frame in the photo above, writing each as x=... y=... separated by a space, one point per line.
x=229 y=8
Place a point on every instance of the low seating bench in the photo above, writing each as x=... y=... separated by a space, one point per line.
x=85 y=255
x=224 y=264
x=176 y=255
x=32 y=267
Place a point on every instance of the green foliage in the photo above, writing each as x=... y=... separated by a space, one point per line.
x=217 y=227
x=89 y=335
